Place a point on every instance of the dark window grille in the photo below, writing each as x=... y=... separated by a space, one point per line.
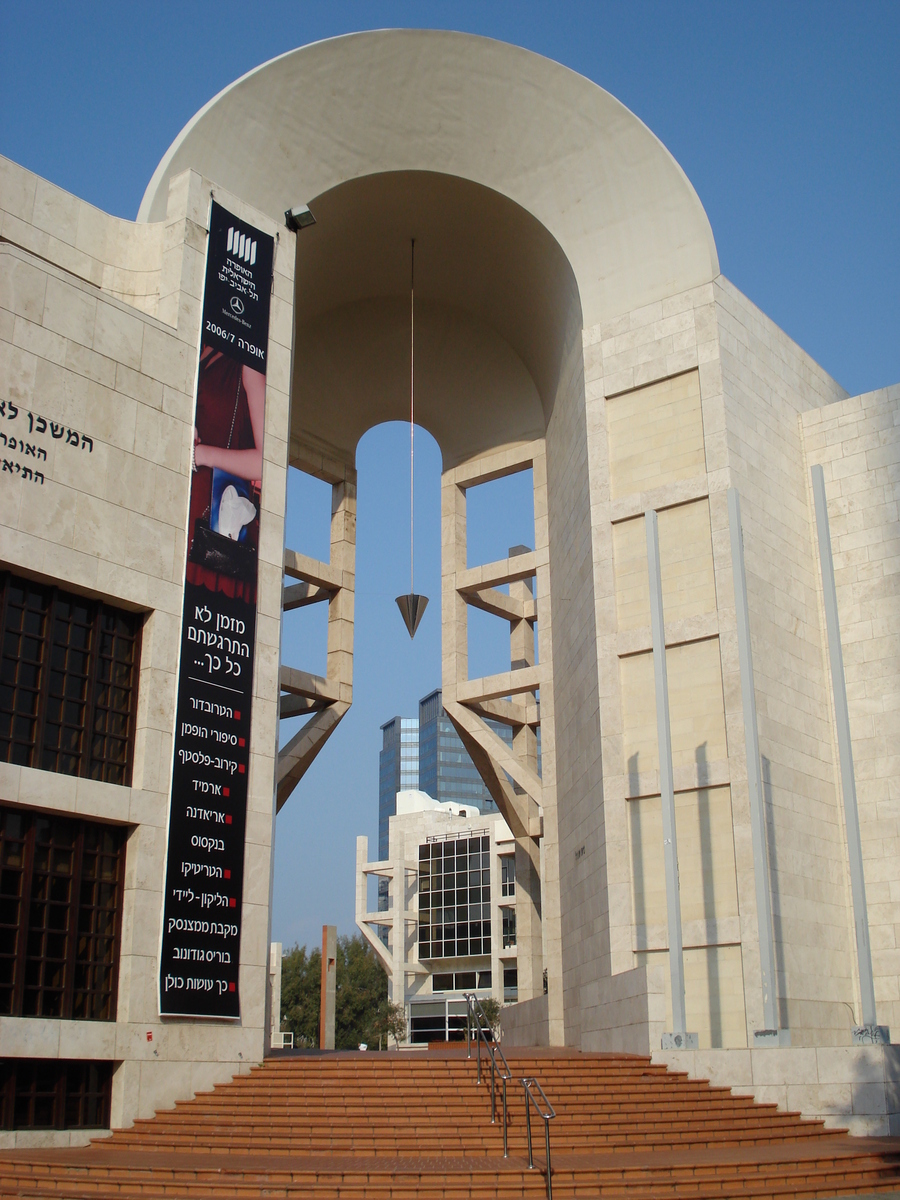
x=68 y=682
x=509 y=927
x=508 y=875
x=60 y=916
x=54 y=1094
x=510 y=983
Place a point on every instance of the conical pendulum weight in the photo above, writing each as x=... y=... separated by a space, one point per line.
x=412 y=606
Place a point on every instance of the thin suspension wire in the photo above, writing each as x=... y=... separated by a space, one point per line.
x=412 y=396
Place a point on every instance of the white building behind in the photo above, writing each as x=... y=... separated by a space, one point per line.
x=452 y=914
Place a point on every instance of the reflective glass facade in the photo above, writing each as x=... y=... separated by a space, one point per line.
x=398 y=770
x=445 y=770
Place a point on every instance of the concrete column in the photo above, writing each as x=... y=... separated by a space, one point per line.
x=275 y=994
x=529 y=931
x=329 y=980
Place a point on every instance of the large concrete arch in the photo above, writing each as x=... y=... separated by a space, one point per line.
x=540 y=207
x=618 y=204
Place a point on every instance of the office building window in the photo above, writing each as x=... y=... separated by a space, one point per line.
x=460 y=981
x=60 y=916
x=510 y=983
x=68 y=682
x=509 y=927
x=455 y=898
x=54 y=1094
x=508 y=875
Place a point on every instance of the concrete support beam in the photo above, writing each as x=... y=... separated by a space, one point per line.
x=493 y=687
x=329 y=698
x=313 y=687
x=312 y=570
x=299 y=595
x=510 y=773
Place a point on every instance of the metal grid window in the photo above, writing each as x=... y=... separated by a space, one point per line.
x=508 y=875
x=60 y=910
x=509 y=927
x=68 y=676
x=54 y=1094
x=455 y=898
x=460 y=981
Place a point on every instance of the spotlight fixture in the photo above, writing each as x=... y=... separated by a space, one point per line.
x=298 y=218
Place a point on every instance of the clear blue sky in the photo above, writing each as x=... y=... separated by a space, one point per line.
x=785 y=117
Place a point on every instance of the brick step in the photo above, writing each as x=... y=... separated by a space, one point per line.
x=310 y=1130
x=575 y=1097
x=382 y=1110
x=348 y=1126
x=463 y=1122
x=435 y=1146
x=374 y=1114
x=777 y=1179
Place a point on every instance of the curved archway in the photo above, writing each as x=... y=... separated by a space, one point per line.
x=541 y=207
x=496 y=305
x=569 y=153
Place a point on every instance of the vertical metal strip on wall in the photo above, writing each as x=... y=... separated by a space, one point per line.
x=666 y=776
x=845 y=751
x=754 y=776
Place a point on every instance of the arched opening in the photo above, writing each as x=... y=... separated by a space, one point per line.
x=496 y=305
x=339 y=795
x=497 y=319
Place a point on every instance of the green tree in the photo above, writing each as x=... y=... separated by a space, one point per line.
x=491 y=1009
x=360 y=993
x=301 y=975
x=390 y=1023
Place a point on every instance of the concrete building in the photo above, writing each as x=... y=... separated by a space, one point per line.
x=573 y=321
x=450 y=871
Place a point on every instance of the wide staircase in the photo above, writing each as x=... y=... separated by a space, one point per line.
x=372 y=1126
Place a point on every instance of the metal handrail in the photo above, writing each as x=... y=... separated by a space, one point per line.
x=528 y=1084
x=475 y=1016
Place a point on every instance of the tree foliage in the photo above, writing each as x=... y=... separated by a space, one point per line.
x=360 y=993
x=390 y=1023
x=491 y=1009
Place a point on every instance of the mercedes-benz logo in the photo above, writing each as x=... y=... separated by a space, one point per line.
x=237 y=305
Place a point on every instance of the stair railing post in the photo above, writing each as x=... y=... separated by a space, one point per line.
x=505 y=1143
x=493 y=1105
x=547 y=1143
x=528 y=1124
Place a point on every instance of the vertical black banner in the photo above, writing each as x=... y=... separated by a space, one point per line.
x=201 y=935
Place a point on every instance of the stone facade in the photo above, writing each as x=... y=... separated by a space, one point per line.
x=574 y=324
x=99 y=331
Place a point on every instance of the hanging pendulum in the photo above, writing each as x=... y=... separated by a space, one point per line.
x=412 y=607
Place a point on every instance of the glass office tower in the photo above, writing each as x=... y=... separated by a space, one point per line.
x=398 y=770
x=445 y=770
